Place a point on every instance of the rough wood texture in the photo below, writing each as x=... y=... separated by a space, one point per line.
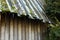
x=13 y=27
x=0 y=26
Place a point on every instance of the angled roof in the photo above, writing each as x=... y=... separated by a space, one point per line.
x=32 y=8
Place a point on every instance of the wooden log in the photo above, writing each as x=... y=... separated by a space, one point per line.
x=30 y=34
x=7 y=22
x=27 y=29
x=35 y=31
x=32 y=30
x=39 y=31
x=2 y=27
x=11 y=27
x=15 y=28
x=19 y=29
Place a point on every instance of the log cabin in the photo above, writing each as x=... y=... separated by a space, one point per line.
x=25 y=20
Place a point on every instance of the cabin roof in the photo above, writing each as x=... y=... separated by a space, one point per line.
x=33 y=8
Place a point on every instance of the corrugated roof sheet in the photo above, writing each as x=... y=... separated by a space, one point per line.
x=32 y=8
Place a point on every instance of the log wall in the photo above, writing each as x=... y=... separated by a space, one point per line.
x=13 y=27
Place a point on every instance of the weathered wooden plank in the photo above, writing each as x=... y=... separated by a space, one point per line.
x=7 y=26
x=39 y=32
x=30 y=36
x=27 y=29
x=2 y=27
x=32 y=30
x=15 y=28
x=11 y=27
x=19 y=29
x=44 y=31
x=35 y=30
x=23 y=29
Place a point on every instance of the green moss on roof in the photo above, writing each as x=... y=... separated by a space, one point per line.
x=32 y=8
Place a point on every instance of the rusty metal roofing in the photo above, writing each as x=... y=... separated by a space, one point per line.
x=32 y=8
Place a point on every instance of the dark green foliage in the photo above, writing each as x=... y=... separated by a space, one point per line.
x=54 y=33
x=53 y=8
x=53 y=12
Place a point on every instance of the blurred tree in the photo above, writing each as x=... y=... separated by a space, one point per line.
x=53 y=12
x=3 y=5
x=53 y=9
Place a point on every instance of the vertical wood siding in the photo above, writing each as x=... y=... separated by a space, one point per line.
x=15 y=28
